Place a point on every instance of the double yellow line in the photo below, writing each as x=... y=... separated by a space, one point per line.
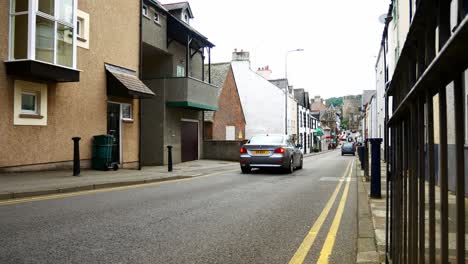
x=327 y=248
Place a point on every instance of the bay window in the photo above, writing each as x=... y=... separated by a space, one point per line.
x=43 y=30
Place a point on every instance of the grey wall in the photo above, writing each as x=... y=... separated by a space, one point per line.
x=221 y=150
x=152 y=125
x=153 y=33
x=178 y=58
x=172 y=130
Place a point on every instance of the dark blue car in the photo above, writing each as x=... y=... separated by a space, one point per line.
x=348 y=148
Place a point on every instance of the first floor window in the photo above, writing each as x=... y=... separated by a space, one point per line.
x=180 y=71
x=53 y=24
x=156 y=18
x=145 y=11
x=29 y=103
x=127 y=112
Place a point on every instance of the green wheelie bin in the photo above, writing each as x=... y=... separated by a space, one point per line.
x=102 y=152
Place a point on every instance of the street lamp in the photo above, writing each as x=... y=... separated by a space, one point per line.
x=287 y=90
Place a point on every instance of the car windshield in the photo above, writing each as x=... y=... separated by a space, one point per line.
x=266 y=140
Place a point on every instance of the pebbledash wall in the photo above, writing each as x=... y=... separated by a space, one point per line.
x=77 y=108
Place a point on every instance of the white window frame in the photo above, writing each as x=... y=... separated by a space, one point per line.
x=156 y=18
x=145 y=11
x=122 y=112
x=33 y=11
x=36 y=106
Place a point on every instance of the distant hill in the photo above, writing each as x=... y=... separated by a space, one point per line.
x=336 y=101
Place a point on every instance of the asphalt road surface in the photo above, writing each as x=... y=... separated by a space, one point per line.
x=227 y=217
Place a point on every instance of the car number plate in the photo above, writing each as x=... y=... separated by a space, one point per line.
x=261 y=152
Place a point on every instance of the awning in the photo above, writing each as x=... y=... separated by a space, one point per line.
x=319 y=131
x=124 y=82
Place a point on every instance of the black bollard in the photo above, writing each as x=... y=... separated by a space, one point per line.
x=375 y=170
x=76 y=156
x=366 y=159
x=169 y=158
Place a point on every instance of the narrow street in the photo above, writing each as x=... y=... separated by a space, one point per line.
x=228 y=217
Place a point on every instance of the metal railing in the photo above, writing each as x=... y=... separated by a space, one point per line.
x=418 y=227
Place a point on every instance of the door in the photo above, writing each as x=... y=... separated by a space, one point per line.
x=189 y=141
x=113 y=128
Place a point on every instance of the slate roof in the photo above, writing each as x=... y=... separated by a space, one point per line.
x=219 y=73
x=299 y=96
x=367 y=95
x=129 y=79
x=179 y=5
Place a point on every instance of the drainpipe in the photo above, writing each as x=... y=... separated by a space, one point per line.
x=140 y=75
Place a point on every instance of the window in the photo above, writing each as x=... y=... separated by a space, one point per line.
x=156 y=18
x=180 y=71
x=145 y=11
x=79 y=27
x=82 y=29
x=50 y=33
x=127 y=112
x=29 y=103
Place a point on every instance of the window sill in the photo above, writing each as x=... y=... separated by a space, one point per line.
x=81 y=39
x=31 y=116
x=146 y=16
x=127 y=120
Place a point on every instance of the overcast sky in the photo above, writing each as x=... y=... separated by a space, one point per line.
x=340 y=38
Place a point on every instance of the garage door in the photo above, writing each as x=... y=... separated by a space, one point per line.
x=189 y=140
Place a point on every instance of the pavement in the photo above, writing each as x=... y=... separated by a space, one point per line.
x=371 y=219
x=227 y=217
x=29 y=184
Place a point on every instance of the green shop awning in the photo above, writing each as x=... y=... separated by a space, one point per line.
x=319 y=131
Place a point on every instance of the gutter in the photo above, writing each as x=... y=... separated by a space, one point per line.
x=140 y=76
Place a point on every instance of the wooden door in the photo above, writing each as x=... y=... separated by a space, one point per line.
x=189 y=141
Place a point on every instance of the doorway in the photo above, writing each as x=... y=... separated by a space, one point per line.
x=189 y=140
x=114 y=128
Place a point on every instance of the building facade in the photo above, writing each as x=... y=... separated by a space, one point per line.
x=173 y=55
x=254 y=91
x=64 y=76
x=228 y=122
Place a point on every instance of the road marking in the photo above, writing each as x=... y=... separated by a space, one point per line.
x=304 y=248
x=64 y=195
x=331 y=237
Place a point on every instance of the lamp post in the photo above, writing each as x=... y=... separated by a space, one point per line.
x=286 y=90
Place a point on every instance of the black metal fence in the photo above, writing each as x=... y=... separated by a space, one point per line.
x=425 y=137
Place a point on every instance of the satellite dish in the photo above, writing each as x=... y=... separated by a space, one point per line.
x=382 y=18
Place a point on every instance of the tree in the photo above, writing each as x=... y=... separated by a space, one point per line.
x=336 y=101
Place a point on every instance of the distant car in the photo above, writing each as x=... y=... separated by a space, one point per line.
x=271 y=151
x=348 y=148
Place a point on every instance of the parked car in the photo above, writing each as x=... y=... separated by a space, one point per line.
x=271 y=151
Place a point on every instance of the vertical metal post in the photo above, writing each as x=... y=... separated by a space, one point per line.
x=405 y=190
x=422 y=178
x=443 y=175
x=209 y=65
x=187 y=57
x=76 y=156
x=459 y=94
x=203 y=64
x=431 y=175
x=169 y=158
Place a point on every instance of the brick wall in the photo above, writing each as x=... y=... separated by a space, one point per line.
x=229 y=111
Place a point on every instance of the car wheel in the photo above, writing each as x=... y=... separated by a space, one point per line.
x=301 y=164
x=291 y=166
x=245 y=170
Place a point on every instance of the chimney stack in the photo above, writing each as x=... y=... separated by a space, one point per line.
x=240 y=56
x=265 y=72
